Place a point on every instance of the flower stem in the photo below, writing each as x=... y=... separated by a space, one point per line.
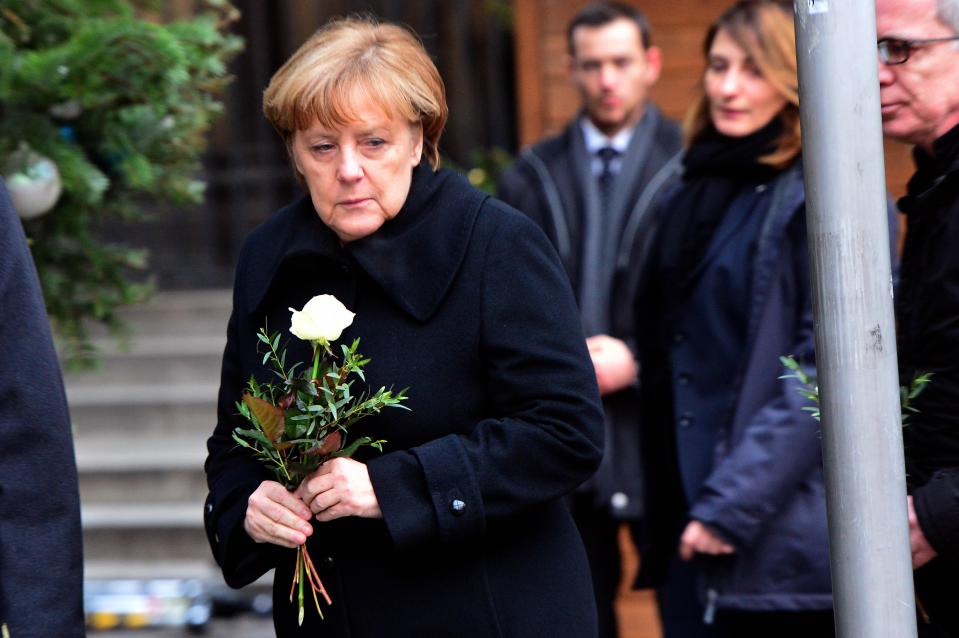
x=302 y=565
x=316 y=361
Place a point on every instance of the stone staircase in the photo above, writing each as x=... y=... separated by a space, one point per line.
x=140 y=426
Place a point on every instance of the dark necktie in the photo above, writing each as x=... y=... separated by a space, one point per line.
x=606 y=177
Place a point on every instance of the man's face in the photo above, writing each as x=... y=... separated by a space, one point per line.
x=613 y=73
x=920 y=98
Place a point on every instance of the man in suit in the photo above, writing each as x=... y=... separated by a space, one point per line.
x=41 y=557
x=919 y=94
x=591 y=189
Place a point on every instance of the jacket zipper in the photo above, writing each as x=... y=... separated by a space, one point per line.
x=710 y=614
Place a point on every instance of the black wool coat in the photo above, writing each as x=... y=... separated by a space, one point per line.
x=927 y=313
x=462 y=300
x=41 y=555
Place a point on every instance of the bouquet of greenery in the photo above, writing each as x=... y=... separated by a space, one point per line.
x=810 y=390
x=303 y=418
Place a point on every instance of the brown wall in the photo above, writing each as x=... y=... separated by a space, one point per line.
x=546 y=100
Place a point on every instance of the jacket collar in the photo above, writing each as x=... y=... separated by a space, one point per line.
x=932 y=171
x=414 y=257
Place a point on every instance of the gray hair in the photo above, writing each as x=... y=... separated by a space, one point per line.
x=948 y=12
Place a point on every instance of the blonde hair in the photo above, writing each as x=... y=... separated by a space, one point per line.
x=350 y=63
x=765 y=31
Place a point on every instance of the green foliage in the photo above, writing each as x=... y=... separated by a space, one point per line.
x=808 y=389
x=122 y=106
x=906 y=395
x=487 y=165
x=303 y=418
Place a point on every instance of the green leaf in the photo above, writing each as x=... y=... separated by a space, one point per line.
x=351 y=449
x=269 y=417
x=256 y=435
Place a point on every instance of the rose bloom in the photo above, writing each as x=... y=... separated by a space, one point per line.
x=323 y=319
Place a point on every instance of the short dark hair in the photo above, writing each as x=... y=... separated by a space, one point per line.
x=600 y=13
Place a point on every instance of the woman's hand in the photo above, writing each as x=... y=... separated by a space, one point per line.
x=698 y=539
x=613 y=362
x=341 y=487
x=274 y=515
x=922 y=551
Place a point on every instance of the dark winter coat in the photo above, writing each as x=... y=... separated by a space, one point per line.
x=765 y=492
x=463 y=300
x=927 y=313
x=41 y=554
x=552 y=183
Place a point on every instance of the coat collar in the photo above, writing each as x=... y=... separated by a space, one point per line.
x=933 y=172
x=414 y=257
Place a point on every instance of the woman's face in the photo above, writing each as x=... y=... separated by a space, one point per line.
x=741 y=100
x=359 y=174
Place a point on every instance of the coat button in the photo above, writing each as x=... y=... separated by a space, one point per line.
x=209 y=508
x=686 y=420
x=684 y=378
x=457 y=507
x=679 y=337
x=619 y=501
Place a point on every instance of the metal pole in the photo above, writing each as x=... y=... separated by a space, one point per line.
x=855 y=329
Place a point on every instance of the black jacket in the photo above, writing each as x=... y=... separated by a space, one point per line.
x=549 y=182
x=41 y=555
x=462 y=300
x=927 y=312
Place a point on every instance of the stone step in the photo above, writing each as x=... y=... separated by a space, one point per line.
x=203 y=312
x=164 y=412
x=134 y=395
x=142 y=515
x=112 y=465
x=107 y=569
x=109 y=454
x=151 y=485
x=141 y=531
x=181 y=304
x=146 y=543
x=141 y=422
x=153 y=360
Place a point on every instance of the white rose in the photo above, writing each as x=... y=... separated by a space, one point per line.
x=322 y=319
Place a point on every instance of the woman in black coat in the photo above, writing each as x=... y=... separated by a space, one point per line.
x=458 y=528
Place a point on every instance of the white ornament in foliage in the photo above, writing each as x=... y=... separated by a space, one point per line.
x=69 y=110
x=33 y=182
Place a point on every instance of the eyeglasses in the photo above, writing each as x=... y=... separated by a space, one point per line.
x=896 y=51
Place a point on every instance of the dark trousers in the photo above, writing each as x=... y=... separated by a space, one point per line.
x=778 y=624
x=600 y=533
x=937 y=596
x=680 y=610
x=681 y=614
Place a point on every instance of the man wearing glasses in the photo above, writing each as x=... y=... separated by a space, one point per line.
x=919 y=93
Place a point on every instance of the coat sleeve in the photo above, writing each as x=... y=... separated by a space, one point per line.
x=780 y=446
x=546 y=435
x=232 y=476
x=937 y=508
x=41 y=568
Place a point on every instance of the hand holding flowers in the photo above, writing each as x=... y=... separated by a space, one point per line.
x=341 y=487
x=301 y=424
